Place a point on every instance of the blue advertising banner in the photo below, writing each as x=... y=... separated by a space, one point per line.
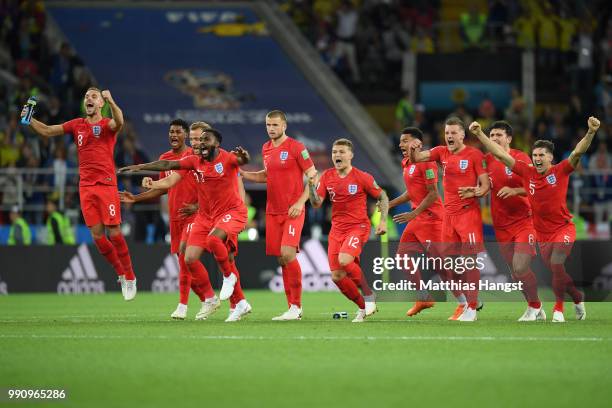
x=446 y=95
x=219 y=65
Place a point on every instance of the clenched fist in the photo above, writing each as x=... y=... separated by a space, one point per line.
x=147 y=182
x=475 y=128
x=106 y=95
x=593 y=123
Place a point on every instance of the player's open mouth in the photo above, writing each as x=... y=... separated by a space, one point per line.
x=89 y=105
x=338 y=161
x=204 y=152
x=404 y=152
x=450 y=142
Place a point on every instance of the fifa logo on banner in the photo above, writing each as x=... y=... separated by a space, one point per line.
x=316 y=275
x=3 y=288
x=80 y=276
x=166 y=278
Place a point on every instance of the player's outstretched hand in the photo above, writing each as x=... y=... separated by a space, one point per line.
x=593 y=123
x=295 y=210
x=129 y=169
x=475 y=128
x=467 y=192
x=381 y=229
x=188 y=209
x=403 y=218
x=147 y=182
x=506 y=192
x=106 y=95
x=416 y=144
x=126 y=197
x=242 y=154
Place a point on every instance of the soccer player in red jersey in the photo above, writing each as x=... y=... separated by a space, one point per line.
x=95 y=139
x=285 y=162
x=547 y=192
x=348 y=189
x=462 y=224
x=182 y=205
x=512 y=220
x=425 y=220
x=217 y=232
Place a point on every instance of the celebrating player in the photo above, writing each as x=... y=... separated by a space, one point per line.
x=547 y=191
x=215 y=230
x=462 y=224
x=182 y=199
x=424 y=227
x=285 y=162
x=512 y=219
x=348 y=188
x=95 y=139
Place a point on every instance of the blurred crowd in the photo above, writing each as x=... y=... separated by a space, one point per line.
x=365 y=41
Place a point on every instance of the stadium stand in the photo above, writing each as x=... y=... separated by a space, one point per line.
x=369 y=44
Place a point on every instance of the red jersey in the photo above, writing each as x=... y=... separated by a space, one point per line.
x=217 y=181
x=547 y=194
x=285 y=166
x=348 y=196
x=460 y=170
x=507 y=211
x=417 y=176
x=185 y=191
x=95 y=147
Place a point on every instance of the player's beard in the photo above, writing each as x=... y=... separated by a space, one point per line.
x=212 y=153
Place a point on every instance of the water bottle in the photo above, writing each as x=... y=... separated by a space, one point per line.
x=30 y=105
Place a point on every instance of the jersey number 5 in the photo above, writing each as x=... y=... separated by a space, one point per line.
x=531 y=188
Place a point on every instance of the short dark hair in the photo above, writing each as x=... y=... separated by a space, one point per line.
x=413 y=131
x=503 y=125
x=277 y=114
x=454 y=120
x=343 y=142
x=214 y=132
x=544 y=144
x=181 y=123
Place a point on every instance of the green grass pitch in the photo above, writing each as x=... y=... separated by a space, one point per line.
x=109 y=353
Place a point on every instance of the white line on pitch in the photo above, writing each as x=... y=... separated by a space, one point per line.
x=372 y=338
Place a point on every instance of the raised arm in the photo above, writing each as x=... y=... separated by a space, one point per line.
x=491 y=146
x=255 y=176
x=241 y=189
x=163 y=184
x=584 y=143
x=160 y=165
x=416 y=155
x=45 y=130
x=116 y=123
x=242 y=155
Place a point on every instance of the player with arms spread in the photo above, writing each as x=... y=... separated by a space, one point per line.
x=547 y=192
x=348 y=189
x=215 y=230
x=182 y=205
x=286 y=161
x=95 y=138
x=462 y=224
x=512 y=220
x=423 y=233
